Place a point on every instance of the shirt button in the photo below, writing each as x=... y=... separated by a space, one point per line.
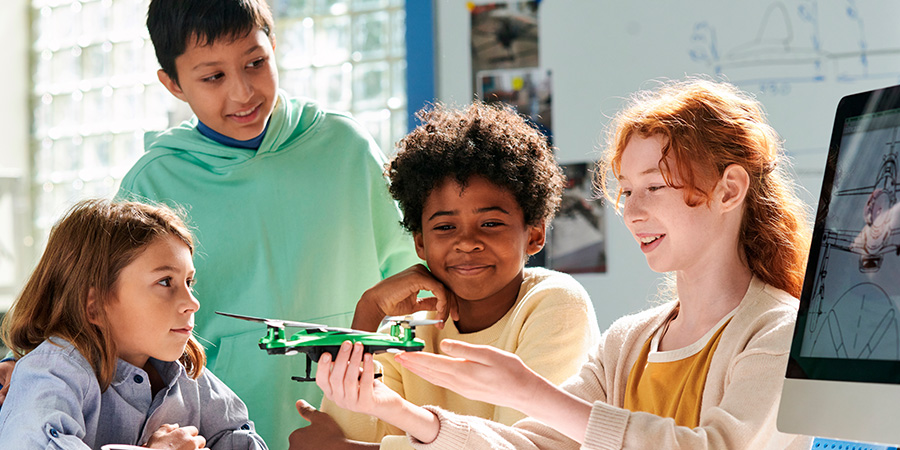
x=138 y=379
x=54 y=433
x=245 y=426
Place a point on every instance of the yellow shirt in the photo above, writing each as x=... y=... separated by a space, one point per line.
x=670 y=383
x=552 y=327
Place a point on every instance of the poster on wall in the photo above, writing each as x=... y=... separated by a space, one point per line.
x=577 y=239
x=506 y=69
x=505 y=65
x=527 y=89
x=504 y=36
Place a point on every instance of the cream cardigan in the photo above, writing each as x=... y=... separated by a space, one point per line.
x=739 y=403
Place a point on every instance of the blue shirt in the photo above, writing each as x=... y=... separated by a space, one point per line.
x=55 y=402
x=250 y=144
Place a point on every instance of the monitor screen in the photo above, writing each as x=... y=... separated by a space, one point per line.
x=843 y=378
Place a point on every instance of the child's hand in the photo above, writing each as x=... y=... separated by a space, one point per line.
x=322 y=432
x=6 y=369
x=173 y=437
x=398 y=295
x=478 y=372
x=348 y=387
x=352 y=389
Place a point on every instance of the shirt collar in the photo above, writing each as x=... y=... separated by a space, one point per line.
x=250 y=144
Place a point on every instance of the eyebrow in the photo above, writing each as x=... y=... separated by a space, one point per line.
x=646 y=172
x=215 y=63
x=477 y=211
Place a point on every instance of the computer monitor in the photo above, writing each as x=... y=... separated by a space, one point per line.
x=843 y=378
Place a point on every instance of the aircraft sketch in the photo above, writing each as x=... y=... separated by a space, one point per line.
x=791 y=45
x=881 y=233
x=874 y=332
x=847 y=339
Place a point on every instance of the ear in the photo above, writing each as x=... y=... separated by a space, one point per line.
x=93 y=307
x=420 y=244
x=171 y=85
x=733 y=187
x=537 y=237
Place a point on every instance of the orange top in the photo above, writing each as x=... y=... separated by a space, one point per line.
x=670 y=383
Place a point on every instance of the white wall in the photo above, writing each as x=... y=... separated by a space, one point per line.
x=799 y=57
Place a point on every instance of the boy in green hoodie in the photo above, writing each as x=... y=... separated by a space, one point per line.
x=290 y=205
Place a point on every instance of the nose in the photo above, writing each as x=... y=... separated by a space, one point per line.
x=189 y=303
x=469 y=240
x=633 y=209
x=241 y=88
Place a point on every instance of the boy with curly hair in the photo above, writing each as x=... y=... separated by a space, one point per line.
x=478 y=187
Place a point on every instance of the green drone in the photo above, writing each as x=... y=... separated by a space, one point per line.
x=315 y=340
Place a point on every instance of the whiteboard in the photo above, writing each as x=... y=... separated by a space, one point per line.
x=798 y=57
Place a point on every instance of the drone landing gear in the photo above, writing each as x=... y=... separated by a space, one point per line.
x=308 y=370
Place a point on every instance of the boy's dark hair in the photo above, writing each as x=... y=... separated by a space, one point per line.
x=480 y=140
x=173 y=24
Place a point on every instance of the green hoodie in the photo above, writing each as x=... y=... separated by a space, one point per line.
x=297 y=230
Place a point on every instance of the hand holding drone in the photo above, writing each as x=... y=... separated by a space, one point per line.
x=314 y=340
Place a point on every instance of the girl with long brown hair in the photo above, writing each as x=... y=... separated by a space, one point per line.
x=102 y=332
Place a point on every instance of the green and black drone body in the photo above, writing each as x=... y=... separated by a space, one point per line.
x=314 y=340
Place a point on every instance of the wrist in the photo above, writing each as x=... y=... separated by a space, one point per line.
x=535 y=393
x=420 y=423
x=368 y=314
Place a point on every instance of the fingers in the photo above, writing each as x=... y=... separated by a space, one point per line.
x=339 y=371
x=476 y=353
x=195 y=436
x=429 y=364
x=367 y=379
x=351 y=374
x=323 y=373
x=431 y=368
x=339 y=380
x=306 y=410
x=168 y=427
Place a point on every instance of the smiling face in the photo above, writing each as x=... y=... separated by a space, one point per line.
x=475 y=240
x=152 y=310
x=672 y=235
x=230 y=85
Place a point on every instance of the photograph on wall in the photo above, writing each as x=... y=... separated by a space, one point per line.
x=504 y=36
x=526 y=89
x=505 y=60
x=577 y=241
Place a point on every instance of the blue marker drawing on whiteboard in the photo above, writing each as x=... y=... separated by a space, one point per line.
x=788 y=48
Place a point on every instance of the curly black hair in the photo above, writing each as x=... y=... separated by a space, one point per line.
x=487 y=140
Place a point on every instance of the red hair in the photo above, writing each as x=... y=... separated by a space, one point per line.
x=706 y=127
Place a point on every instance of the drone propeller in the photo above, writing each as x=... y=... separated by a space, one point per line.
x=279 y=323
x=411 y=321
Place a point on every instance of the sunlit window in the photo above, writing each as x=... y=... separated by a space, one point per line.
x=96 y=91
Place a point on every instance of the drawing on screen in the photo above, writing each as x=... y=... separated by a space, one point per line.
x=881 y=233
x=862 y=323
x=791 y=45
x=841 y=334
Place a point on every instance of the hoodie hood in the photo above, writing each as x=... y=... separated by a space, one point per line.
x=287 y=124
